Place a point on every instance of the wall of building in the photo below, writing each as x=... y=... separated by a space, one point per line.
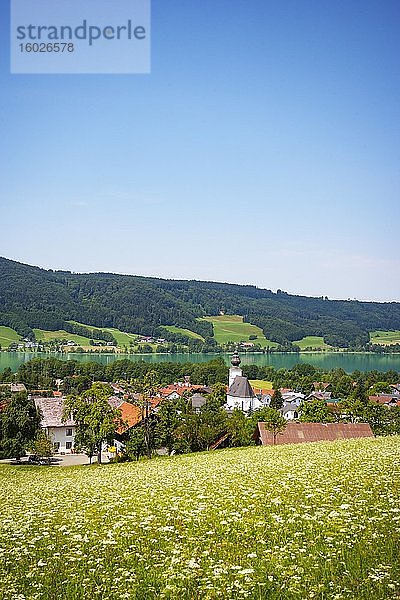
x=64 y=442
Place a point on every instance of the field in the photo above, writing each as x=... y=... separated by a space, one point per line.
x=261 y=384
x=230 y=328
x=312 y=341
x=317 y=521
x=47 y=336
x=7 y=336
x=185 y=332
x=385 y=337
x=122 y=338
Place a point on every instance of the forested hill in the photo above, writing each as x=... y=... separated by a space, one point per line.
x=31 y=297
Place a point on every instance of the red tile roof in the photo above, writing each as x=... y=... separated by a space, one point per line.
x=384 y=399
x=297 y=433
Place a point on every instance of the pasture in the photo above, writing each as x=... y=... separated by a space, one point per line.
x=310 y=521
x=385 y=338
x=47 y=336
x=231 y=328
x=182 y=331
x=312 y=341
x=8 y=336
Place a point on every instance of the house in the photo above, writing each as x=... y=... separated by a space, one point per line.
x=293 y=397
x=320 y=386
x=14 y=388
x=290 y=411
x=319 y=396
x=298 y=433
x=61 y=433
x=197 y=401
x=388 y=400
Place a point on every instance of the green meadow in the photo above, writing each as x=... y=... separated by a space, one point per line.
x=46 y=336
x=309 y=521
x=312 y=341
x=8 y=336
x=182 y=331
x=231 y=328
x=122 y=338
x=385 y=337
x=261 y=383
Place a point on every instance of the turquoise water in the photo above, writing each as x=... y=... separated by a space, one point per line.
x=325 y=360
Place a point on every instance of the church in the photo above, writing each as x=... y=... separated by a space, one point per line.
x=240 y=393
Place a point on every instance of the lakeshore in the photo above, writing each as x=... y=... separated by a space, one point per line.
x=348 y=361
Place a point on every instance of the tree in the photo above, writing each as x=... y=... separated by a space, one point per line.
x=42 y=446
x=273 y=421
x=380 y=387
x=19 y=425
x=315 y=411
x=170 y=416
x=148 y=389
x=135 y=446
x=276 y=400
x=240 y=429
x=96 y=420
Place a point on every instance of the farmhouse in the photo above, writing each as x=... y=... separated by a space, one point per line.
x=386 y=399
x=297 y=433
x=62 y=434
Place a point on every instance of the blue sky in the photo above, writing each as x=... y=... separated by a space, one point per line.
x=263 y=148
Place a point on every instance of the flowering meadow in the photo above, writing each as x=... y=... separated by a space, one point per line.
x=315 y=521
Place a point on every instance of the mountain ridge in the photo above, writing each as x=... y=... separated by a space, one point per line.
x=32 y=297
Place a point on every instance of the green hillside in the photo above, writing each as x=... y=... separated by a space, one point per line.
x=33 y=298
x=121 y=337
x=8 y=336
x=47 y=336
x=184 y=332
x=231 y=328
x=309 y=521
x=386 y=338
x=312 y=341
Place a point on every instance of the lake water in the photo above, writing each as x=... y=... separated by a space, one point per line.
x=325 y=360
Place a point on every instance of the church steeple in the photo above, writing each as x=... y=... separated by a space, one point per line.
x=235 y=369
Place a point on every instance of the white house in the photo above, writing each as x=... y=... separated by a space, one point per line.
x=290 y=411
x=61 y=434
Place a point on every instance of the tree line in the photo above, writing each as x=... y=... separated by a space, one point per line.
x=35 y=298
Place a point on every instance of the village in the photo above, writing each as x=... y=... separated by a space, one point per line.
x=296 y=418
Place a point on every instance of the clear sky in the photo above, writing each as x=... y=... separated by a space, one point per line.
x=263 y=148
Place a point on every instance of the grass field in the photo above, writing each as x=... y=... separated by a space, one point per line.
x=385 y=337
x=261 y=383
x=312 y=341
x=47 y=336
x=122 y=338
x=7 y=336
x=185 y=332
x=230 y=328
x=317 y=521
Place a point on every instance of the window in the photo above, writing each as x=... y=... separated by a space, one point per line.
x=68 y=445
x=56 y=446
x=68 y=433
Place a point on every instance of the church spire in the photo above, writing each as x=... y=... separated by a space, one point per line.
x=235 y=369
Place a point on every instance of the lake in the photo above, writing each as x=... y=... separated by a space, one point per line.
x=325 y=360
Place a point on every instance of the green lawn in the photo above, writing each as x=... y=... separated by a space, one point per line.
x=185 y=332
x=307 y=521
x=312 y=341
x=261 y=383
x=385 y=337
x=122 y=338
x=47 y=336
x=7 y=336
x=230 y=328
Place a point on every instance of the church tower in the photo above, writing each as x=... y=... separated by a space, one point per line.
x=235 y=369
